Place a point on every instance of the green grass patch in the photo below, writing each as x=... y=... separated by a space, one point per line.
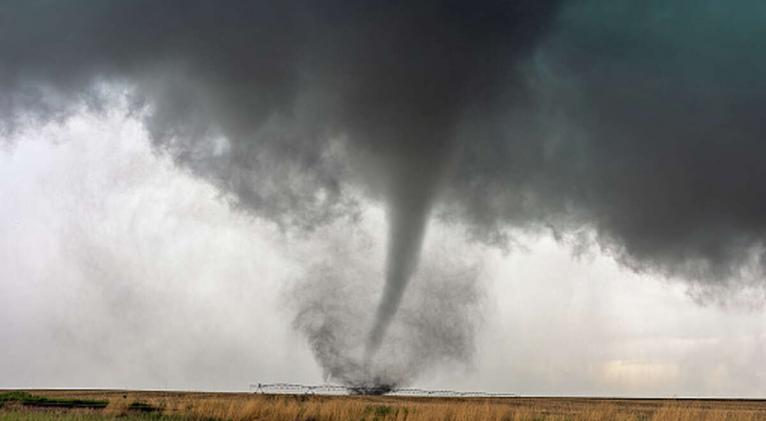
x=13 y=396
x=28 y=399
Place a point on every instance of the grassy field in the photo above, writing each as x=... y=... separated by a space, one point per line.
x=129 y=406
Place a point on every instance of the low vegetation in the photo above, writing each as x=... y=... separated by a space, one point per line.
x=27 y=399
x=79 y=416
x=143 y=407
x=176 y=406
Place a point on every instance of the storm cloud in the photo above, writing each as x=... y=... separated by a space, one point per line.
x=647 y=131
x=634 y=127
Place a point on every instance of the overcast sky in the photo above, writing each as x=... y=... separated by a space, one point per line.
x=538 y=197
x=118 y=269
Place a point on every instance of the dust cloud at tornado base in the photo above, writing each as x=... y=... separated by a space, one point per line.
x=435 y=327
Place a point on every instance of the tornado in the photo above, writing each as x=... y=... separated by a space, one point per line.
x=408 y=212
x=407 y=225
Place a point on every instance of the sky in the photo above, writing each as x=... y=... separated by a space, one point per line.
x=121 y=270
x=541 y=197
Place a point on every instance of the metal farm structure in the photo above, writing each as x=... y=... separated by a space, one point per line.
x=335 y=389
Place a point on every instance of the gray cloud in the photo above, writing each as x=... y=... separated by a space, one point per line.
x=639 y=122
x=647 y=129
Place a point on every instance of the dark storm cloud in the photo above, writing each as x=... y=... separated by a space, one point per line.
x=641 y=122
x=280 y=82
x=648 y=127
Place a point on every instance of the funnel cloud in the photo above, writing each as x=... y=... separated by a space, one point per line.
x=636 y=128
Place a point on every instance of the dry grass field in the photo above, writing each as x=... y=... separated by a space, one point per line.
x=128 y=405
